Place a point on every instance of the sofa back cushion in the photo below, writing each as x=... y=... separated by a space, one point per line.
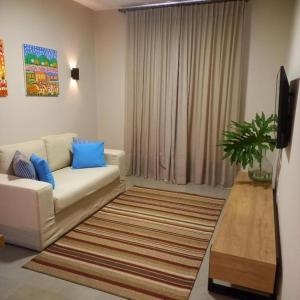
x=58 y=149
x=7 y=153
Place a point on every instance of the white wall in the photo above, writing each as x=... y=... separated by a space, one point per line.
x=270 y=23
x=67 y=27
x=288 y=193
x=110 y=49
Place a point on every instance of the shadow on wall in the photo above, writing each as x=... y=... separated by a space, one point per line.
x=294 y=89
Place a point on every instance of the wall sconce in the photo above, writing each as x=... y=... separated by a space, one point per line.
x=75 y=73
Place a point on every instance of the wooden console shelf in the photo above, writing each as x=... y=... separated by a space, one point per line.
x=243 y=252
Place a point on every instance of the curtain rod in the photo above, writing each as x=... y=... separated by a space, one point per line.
x=170 y=4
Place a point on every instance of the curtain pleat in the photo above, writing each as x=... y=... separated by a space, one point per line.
x=183 y=88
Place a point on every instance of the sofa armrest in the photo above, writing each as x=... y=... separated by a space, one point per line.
x=116 y=157
x=25 y=207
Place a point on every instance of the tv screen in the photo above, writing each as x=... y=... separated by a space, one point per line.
x=284 y=110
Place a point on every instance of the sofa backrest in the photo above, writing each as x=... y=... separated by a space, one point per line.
x=7 y=153
x=58 y=148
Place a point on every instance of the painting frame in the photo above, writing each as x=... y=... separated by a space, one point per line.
x=3 y=71
x=40 y=71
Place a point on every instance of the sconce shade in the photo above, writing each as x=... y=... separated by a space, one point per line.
x=75 y=73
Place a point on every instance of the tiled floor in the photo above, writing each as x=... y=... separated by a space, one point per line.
x=17 y=283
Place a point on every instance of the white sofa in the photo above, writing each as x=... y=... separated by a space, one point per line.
x=34 y=215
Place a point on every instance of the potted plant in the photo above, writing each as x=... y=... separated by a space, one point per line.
x=246 y=144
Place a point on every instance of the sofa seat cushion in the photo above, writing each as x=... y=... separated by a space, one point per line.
x=72 y=185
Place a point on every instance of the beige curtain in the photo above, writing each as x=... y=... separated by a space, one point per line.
x=183 y=88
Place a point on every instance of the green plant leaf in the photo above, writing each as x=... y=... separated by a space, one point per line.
x=244 y=142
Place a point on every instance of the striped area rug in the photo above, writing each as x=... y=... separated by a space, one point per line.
x=145 y=244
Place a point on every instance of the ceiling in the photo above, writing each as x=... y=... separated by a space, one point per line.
x=112 y=4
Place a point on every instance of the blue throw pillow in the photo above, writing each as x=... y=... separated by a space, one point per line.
x=23 y=167
x=42 y=169
x=88 y=155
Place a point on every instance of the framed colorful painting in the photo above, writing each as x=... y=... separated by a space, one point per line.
x=3 y=82
x=41 y=71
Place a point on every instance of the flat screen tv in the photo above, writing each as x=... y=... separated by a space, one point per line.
x=284 y=105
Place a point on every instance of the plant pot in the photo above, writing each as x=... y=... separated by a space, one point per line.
x=261 y=171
